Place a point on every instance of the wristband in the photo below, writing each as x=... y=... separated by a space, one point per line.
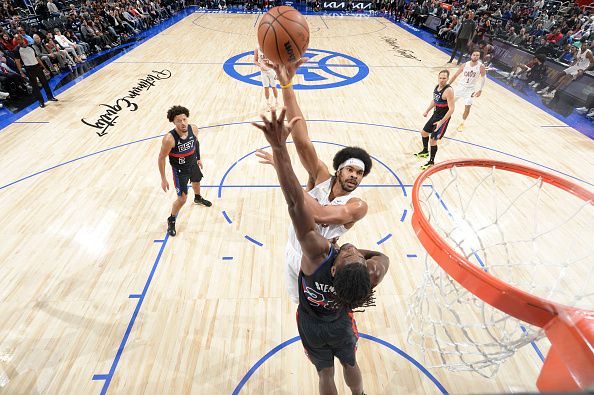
x=290 y=84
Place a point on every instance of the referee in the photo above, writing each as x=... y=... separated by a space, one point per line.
x=25 y=56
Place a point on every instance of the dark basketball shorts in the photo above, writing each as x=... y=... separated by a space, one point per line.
x=322 y=341
x=436 y=134
x=182 y=176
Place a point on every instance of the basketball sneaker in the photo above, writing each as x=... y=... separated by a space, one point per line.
x=200 y=200
x=549 y=95
x=171 y=227
x=427 y=165
x=422 y=154
x=581 y=110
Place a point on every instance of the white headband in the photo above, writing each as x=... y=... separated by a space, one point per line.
x=352 y=162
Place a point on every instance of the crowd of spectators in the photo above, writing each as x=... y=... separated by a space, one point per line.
x=63 y=35
x=548 y=29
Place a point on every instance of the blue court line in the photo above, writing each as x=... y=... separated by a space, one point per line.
x=411 y=255
x=317 y=120
x=146 y=35
x=76 y=159
x=392 y=347
x=403 y=215
x=222 y=182
x=134 y=296
x=109 y=376
x=227 y=258
x=226 y=216
x=384 y=239
x=542 y=358
x=485 y=269
x=256 y=242
x=158 y=241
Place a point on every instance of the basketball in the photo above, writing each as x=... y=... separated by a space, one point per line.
x=283 y=35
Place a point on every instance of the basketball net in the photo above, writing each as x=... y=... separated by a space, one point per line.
x=532 y=241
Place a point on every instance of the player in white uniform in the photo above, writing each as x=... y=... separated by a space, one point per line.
x=268 y=77
x=328 y=196
x=474 y=71
x=583 y=61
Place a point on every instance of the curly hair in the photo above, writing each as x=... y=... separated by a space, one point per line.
x=352 y=287
x=352 y=152
x=175 y=111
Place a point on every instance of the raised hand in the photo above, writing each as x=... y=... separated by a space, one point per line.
x=285 y=73
x=275 y=130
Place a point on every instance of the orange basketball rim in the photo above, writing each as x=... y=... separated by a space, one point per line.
x=569 y=365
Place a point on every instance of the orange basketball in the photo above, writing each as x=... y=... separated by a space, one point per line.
x=283 y=35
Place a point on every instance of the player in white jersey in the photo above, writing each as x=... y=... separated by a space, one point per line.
x=473 y=71
x=328 y=196
x=268 y=77
x=584 y=60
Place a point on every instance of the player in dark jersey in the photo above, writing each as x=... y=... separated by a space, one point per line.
x=182 y=147
x=443 y=102
x=333 y=281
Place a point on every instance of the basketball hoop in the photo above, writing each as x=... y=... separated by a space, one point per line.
x=514 y=221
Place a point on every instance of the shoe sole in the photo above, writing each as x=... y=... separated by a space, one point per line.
x=421 y=155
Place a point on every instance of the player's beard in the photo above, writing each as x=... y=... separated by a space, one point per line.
x=346 y=184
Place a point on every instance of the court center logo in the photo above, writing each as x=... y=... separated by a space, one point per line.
x=323 y=70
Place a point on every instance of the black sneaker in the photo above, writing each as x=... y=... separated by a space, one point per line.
x=422 y=154
x=202 y=201
x=171 y=228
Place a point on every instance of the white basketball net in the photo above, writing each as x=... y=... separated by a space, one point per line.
x=530 y=234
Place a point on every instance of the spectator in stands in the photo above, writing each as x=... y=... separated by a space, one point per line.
x=52 y=8
x=49 y=59
x=11 y=81
x=6 y=43
x=584 y=61
x=41 y=9
x=555 y=36
x=486 y=50
x=65 y=43
x=52 y=47
x=537 y=31
x=21 y=32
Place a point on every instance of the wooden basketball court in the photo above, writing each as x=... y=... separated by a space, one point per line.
x=95 y=298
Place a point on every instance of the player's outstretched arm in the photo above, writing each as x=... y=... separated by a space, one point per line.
x=456 y=74
x=315 y=247
x=308 y=156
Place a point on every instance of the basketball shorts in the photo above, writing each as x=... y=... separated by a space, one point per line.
x=465 y=93
x=322 y=341
x=293 y=261
x=268 y=78
x=181 y=176
x=436 y=134
x=572 y=71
